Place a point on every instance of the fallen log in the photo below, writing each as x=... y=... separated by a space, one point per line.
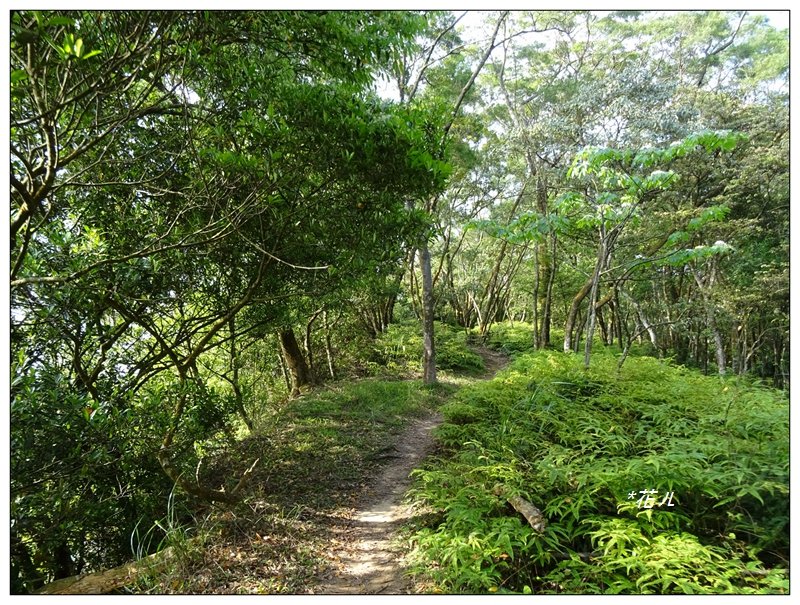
x=533 y=515
x=109 y=580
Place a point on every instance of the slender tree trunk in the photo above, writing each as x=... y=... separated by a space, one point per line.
x=550 y=272
x=705 y=355
x=508 y=280
x=545 y=267
x=536 y=337
x=592 y=310
x=579 y=332
x=414 y=291
x=719 y=344
x=547 y=262
x=490 y=303
x=386 y=306
x=604 y=329
x=308 y=344
x=429 y=351
x=779 y=378
x=569 y=327
x=711 y=321
x=387 y=311
x=491 y=292
x=647 y=326
x=284 y=370
x=618 y=320
x=428 y=345
x=736 y=349
x=295 y=362
x=237 y=389
x=328 y=347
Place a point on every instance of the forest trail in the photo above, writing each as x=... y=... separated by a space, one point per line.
x=367 y=560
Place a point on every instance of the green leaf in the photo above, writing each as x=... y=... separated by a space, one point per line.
x=90 y=54
x=60 y=20
x=18 y=75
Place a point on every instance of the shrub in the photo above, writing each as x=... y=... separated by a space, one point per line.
x=401 y=344
x=512 y=338
x=585 y=446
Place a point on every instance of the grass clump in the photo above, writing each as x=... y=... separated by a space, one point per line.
x=583 y=446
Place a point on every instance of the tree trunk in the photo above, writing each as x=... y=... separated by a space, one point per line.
x=429 y=352
x=328 y=347
x=711 y=320
x=308 y=344
x=779 y=349
x=536 y=337
x=391 y=298
x=491 y=292
x=547 y=262
x=604 y=328
x=579 y=332
x=428 y=345
x=719 y=344
x=237 y=389
x=546 y=314
x=413 y=291
x=622 y=325
x=295 y=362
x=647 y=326
x=592 y=310
x=165 y=458
x=572 y=315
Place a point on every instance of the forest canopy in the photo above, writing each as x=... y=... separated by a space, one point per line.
x=213 y=211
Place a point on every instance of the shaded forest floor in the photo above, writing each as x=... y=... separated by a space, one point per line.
x=326 y=501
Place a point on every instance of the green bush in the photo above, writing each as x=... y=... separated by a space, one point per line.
x=511 y=338
x=582 y=446
x=401 y=346
x=74 y=487
x=452 y=352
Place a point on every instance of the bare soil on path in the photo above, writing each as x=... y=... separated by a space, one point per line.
x=367 y=560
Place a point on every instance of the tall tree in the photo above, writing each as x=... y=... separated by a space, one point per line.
x=177 y=180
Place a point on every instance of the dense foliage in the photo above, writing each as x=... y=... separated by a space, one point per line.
x=612 y=173
x=177 y=179
x=214 y=212
x=584 y=447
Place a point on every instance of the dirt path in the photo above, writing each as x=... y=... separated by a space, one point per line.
x=493 y=360
x=367 y=562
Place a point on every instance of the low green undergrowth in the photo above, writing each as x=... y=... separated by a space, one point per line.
x=516 y=337
x=400 y=347
x=315 y=455
x=511 y=337
x=589 y=448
